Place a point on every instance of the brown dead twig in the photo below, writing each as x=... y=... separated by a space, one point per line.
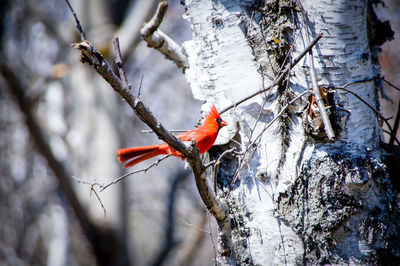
x=105 y=186
x=98 y=198
x=92 y=189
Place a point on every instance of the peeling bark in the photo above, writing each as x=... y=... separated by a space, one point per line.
x=343 y=209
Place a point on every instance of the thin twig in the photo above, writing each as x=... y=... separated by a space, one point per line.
x=393 y=132
x=104 y=186
x=140 y=86
x=391 y=84
x=372 y=108
x=250 y=143
x=397 y=119
x=280 y=78
x=144 y=170
x=119 y=62
x=196 y=227
x=77 y=23
x=159 y=40
x=98 y=198
x=387 y=132
x=395 y=125
x=92 y=189
x=79 y=180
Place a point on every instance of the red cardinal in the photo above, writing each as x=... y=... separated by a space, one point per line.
x=205 y=136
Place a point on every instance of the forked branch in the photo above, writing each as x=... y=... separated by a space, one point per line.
x=159 y=40
x=92 y=56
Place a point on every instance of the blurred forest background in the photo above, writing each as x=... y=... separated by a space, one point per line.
x=59 y=119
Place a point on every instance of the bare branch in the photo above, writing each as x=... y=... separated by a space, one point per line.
x=213 y=204
x=281 y=77
x=91 y=55
x=104 y=186
x=79 y=180
x=92 y=185
x=95 y=58
x=134 y=172
x=137 y=12
x=155 y=22
x=159 y=40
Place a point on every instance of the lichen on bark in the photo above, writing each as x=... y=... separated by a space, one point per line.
x=344 y=210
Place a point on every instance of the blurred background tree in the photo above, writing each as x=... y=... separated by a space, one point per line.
x=84 y=123
x=152 y=218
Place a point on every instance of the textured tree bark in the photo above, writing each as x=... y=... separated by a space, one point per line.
x=299 y=198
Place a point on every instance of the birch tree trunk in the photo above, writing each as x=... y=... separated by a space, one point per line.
x=298 y=198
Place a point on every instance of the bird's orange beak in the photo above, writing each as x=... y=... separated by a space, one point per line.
x=223 y=123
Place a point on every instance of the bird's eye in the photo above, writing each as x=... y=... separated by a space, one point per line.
x=219 y=120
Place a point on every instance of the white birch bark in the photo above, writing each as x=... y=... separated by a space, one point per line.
x=298 y=199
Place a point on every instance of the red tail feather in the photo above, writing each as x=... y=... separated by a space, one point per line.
x=141 y=158
x=137 y=154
